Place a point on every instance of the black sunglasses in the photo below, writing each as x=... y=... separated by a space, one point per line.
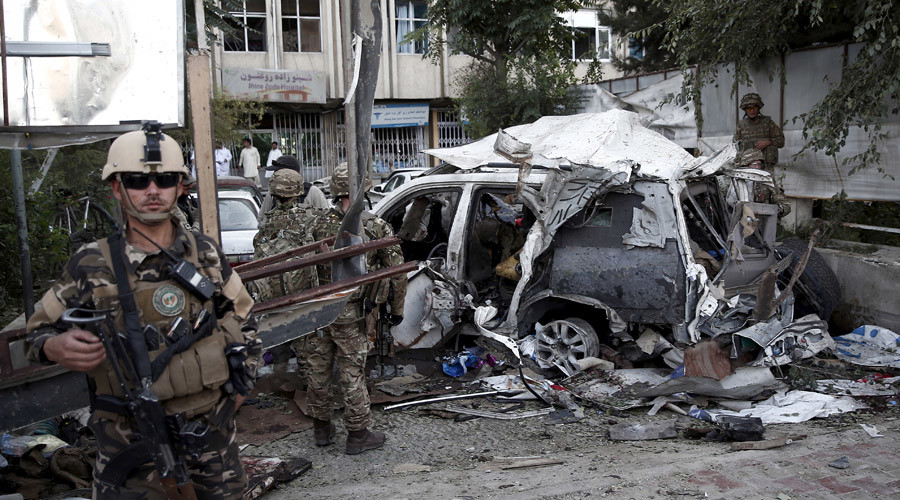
x=142 y=181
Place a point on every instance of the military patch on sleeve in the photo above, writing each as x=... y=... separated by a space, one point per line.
x=169 y=300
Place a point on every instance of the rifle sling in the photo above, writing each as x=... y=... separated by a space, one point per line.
x=133 y=330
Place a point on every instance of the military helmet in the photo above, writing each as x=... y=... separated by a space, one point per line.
x=340 y=181
x=751 y=99
x=286 y=161
x=144 y=152
x=286 y=183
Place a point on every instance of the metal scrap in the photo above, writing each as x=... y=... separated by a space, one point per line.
x=498 y=415
x=450 y=398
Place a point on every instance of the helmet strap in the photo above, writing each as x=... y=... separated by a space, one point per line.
x=144 y=218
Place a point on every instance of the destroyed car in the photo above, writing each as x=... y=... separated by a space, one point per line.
x=592 y=229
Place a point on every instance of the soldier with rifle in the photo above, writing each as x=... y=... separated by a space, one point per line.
x=345 y=342
x=162 y=326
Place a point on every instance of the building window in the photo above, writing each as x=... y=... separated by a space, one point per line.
x=301 y=23
x=591 y=38
x=251 y=37
x=635 y=48
x=410 y=16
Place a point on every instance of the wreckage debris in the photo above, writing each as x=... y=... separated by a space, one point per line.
x=636 y=431
x=869 y=345
x=766 y=444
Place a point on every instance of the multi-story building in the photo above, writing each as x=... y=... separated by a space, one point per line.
x=290 y=54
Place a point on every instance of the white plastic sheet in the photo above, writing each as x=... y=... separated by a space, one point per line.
x=796 y=406
x=869 y=345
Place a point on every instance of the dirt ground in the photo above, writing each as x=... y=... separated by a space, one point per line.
x=468 y=459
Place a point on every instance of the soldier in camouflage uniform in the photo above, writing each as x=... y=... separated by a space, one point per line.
x=345 y=341
x=286 y=226
x=188 y=214
x=198 y=382
x=758 y=132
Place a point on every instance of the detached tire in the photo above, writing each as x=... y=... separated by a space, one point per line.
x=818 y=290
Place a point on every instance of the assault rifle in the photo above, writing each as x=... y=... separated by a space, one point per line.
x=165 y=440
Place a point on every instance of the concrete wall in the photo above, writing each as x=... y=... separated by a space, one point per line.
x=870 y=285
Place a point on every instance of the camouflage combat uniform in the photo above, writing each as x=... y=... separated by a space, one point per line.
x=285 y=227
x=345 y=341
x=762 y=128
x=194 y=388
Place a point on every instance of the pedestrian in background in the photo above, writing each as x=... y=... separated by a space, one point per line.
x=249 y=162
x=223 y=160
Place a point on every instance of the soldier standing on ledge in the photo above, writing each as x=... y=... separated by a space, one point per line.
x=345 y=341
x=203 y=327
x=758 y=132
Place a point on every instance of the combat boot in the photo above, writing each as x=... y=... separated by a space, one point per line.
x=324 y=431
x=360 y=441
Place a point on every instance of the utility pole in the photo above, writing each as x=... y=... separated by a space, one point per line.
x=199 y=88
x=361 y=33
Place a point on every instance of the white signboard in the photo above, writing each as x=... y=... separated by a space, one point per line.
x=399 y=115
x=274 y=85
x=141 y=79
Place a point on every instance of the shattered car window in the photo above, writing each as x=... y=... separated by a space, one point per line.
x=424 y=222
x=496 y=234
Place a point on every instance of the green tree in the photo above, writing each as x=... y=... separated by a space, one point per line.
x=520 y=69
x=629 y=17
x=743 y=32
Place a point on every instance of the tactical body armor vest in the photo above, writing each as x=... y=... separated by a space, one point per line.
x=191 y=382
x=753 y=131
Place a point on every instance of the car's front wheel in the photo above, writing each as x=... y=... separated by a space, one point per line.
x=563 y=342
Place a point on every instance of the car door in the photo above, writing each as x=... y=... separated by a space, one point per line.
x=424 y=219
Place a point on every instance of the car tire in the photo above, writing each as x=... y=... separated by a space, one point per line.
x=818 y=289
x=563 y=342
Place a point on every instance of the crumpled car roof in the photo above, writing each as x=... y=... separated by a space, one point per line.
x=601 y=140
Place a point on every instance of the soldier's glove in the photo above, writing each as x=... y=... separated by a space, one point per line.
x=394 y=319
x=369 y=305
x=240 y=378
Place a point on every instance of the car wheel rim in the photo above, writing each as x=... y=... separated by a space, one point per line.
x=562 y=343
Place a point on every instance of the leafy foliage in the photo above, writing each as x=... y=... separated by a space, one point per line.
x=48 y=246
x=628 y=17
x=520 y=71
x=217 y=15
x=228 y=116
x=491 y=101
x=743 y=32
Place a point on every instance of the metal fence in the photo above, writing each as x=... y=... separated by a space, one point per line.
x=302 y=135
x=450 y=131
x=398 y=148
x=319 y=143
x=391 y=147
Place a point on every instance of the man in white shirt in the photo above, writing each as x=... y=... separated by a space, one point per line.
x=223 y=160
x=250 y=162
x=274 y=154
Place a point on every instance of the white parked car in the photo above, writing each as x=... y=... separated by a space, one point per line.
x=238 y=212
x=396 y=179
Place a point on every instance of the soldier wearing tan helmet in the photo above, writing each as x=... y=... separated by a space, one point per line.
x=345 y=341
x=310 y=196
x=757 y=131
x=286 y=226
x=204 y=378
